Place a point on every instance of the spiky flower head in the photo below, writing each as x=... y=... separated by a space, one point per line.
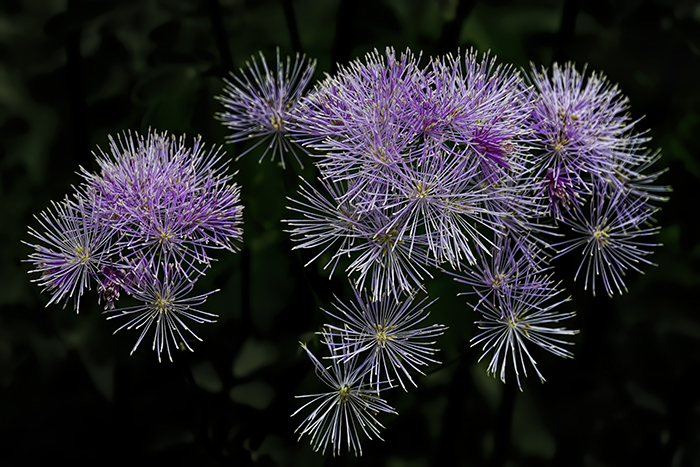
x=487 y=111
x=164 y=303
x=612 y=236
x=581 y=125
x=162 y=197
x=386 y=333
x=516 y=322
x=349 y=408
x=72 y=248
x=509 y=268
x=261 y=103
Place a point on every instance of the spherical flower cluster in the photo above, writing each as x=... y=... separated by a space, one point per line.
x=145 y=225
x=418 y=161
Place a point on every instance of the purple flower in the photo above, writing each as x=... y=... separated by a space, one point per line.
x=370 y=93
x=560 y=188
x=610 y=236
x=486 y=111
x=350 y=407
x=262 y=103
x=163 y=293
x=517 y=321
x=162 y=198
x=418 y=163
x=508 y=269
x=71 y=250
x=359 y=122
x=385 y=333
x=395 y=262
x=581 y=126
x=443 y=201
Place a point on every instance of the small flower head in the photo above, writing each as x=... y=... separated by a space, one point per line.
x=348 y=408
x=163 y=293
x=261 y=102
x=442 y=203
x=387 y=335
x=383 y=252
x=71 y=250
x=487 y=113
x=610 y=235
x=358 y=111
x=508 y=268
x=514 y=324
x=581 y=124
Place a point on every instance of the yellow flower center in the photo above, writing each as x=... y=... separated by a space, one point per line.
x=343 y=394
x=382 y=334
x=82 y=254
x=601 y=237
x=162 y=305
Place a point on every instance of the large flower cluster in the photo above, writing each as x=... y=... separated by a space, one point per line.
x=460 y=164
x=145 y=225
x=420 y=164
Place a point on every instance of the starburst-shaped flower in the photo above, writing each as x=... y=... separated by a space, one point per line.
x=581 y=125
x=349 y=408
x=164 y=302
x=386 y=333
x=71 y=250
x=261 y=103
x=515 y=323
x=507 y=269
x=611 y=236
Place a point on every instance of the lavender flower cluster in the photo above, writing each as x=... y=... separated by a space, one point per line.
x=463 y=166
x=144 y=226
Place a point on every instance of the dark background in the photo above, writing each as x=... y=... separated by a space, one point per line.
x=73 y=72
